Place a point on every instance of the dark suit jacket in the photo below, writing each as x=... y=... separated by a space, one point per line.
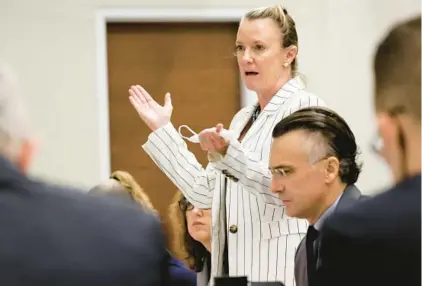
x=55 y=236
x=350 y=196
x=378 y=242
x=180 y=275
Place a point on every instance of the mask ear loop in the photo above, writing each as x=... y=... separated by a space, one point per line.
x=193 y=139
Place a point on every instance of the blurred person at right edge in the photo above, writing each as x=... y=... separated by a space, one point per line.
x=378 y=242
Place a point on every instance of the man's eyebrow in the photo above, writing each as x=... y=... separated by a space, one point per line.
x=280 y=167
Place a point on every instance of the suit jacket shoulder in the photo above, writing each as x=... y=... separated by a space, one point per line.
x=61 y=236
x=377 y=242
x=394 y=211
x=180 y=275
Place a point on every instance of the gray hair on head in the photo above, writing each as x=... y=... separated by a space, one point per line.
x=14 y=125
x=318 y=146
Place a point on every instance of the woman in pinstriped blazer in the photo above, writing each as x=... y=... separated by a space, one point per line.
x=247 y=219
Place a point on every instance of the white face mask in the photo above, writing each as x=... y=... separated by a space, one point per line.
x=226 y=134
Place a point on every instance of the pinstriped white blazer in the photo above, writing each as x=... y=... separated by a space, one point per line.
x=262 y=239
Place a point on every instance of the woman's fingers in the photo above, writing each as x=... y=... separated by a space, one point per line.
x=137 y=94
x=215 y=142
x=134 y=97
x=218 y=141
x=145 y=95
x=211 y=141
x=135 y=101
x=205 y=140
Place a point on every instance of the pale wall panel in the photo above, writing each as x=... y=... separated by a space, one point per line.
x=51 y=45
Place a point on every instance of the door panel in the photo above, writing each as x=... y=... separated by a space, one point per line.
x=192 y=61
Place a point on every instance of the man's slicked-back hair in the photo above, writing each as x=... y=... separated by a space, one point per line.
x=338 y=138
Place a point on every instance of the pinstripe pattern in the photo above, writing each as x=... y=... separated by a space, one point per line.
x=264 y=245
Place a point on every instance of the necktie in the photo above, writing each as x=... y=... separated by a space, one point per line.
x=311 y=236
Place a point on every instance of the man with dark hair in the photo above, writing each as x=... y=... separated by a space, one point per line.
x=313 y=162
x=378 y=242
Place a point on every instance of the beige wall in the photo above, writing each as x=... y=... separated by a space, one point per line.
x=51 y=45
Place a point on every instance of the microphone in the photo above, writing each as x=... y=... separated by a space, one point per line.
x=231 y=281
x=267 y=284
x=241 y=281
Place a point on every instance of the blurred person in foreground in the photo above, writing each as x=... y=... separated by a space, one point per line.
x=52 y=235
x=122 y=185
x=378 y=242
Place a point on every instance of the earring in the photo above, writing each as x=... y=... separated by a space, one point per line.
x=286 y=64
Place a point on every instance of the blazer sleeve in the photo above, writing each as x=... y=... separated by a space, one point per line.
x=255 y=175
x=170 y=153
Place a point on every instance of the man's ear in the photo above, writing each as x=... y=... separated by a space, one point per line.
x=387 y=127
x=332 y=169
x=25 y=154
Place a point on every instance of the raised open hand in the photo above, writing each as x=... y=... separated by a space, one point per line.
x=153 y=114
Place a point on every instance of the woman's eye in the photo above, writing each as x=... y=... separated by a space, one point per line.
x=239 y=48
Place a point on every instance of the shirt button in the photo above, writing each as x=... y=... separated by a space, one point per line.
x=233 y=228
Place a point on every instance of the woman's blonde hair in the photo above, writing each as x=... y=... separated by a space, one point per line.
x=284 y=21
x=122 y=182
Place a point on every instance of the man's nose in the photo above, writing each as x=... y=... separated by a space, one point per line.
x=276 y=186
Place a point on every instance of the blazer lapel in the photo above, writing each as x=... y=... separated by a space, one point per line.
x=244 y=120
x=276 y=102
x=301 y=264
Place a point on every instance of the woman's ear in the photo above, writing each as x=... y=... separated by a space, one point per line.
x=291 y=53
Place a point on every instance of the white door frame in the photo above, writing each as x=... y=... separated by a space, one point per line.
x=110 y=15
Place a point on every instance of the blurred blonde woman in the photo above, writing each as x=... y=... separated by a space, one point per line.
x=191 y=228
x=122 y=185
